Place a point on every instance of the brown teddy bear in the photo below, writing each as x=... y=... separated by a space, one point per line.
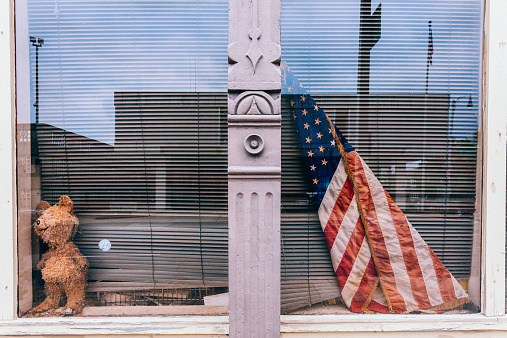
x=64 y=269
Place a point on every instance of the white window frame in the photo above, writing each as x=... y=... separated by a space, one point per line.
x=491 y=322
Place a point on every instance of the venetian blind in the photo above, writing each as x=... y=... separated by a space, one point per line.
x=159 y=195
x=131 y=124
x=400 y=79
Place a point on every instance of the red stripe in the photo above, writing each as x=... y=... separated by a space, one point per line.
x=350 y=254
x=444 y=279
x=377 y=307
x=409 y=255
x=340 y=208
x=365 y=287
x=378 y=245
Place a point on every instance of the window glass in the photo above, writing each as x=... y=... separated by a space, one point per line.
x=128 y=119
x=400 y=80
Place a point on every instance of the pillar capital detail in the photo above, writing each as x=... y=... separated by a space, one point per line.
x=254 y=45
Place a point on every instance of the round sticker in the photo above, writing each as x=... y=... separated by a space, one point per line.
x=105 y=245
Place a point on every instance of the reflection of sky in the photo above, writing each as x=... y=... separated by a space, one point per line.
x=320 y=45
x=95 y=48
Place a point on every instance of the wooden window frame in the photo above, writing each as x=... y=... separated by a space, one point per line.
x=493 y=145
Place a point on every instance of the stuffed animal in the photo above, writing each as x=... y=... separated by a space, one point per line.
x=64 y=269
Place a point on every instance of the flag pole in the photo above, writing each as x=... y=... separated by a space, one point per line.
x=430 y=53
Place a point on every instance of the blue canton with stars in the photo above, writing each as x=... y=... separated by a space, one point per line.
x=320 y=151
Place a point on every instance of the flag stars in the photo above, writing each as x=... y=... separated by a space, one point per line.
x=306 y=125
x=292 y=103
x=308 y=140
x=321 y=148
x=316 y=107
x=333 y=143
x=305 y=112
x=315 y=181
x=324 y=162
x=289 y=89
x=303 y=98
x=319 y=135
x=317 y=121
x=312 y=167
x=310 y=153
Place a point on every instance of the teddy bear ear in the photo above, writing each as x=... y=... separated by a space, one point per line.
x=40 y=207
x=66 y=203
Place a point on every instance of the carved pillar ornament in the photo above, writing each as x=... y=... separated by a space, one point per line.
x=254 y=168
x=254 y=45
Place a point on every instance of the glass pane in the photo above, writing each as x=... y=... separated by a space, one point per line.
x=128 y=119
x=400 y=80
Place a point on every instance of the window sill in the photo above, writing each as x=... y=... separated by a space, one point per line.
x=144 y=311
x=218 y=325
x=181 y=325
x=392 y=323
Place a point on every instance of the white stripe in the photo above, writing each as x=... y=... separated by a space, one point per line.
x=344 y=232
x=458 y=289
x=391 y=240
x=356 y=274
x=332 y=193
x=427 y=267
x=379 y=297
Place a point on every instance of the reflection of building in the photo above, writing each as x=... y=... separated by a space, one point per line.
x=150 y=194
x=67 y=160
x=160 y=193
x=157 y=140
x=179 y=137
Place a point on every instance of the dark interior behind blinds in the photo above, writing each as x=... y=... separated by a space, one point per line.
x=159 y=194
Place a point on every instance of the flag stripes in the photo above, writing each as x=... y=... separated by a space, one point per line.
x=381 y=262
x=410 y=274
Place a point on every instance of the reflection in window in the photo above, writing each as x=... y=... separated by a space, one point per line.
x=401 y=81
x=129 y=120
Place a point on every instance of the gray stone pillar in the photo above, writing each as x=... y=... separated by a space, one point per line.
x=254 y=168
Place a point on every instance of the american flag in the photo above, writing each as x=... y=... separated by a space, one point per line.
x=381 y=262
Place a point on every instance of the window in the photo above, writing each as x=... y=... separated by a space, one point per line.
x=129 y=121
x=490 y=257
x=391 y=79
x=133 y=130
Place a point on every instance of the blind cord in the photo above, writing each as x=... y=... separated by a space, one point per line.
x=199 y=183
x=147 y=193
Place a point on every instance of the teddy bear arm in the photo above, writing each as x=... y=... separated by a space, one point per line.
x=81 y=262
x=43 y=260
